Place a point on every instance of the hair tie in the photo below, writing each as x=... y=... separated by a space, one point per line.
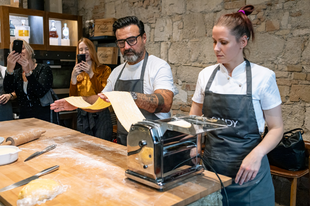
x=242 y=11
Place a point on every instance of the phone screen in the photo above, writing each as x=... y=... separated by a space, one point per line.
x=81 y=57
x=17 y=46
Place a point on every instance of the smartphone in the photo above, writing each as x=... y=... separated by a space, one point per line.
x=17 y=46
x=81 y=57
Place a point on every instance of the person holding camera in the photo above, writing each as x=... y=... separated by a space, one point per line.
x=89 y=78
x=31 y=81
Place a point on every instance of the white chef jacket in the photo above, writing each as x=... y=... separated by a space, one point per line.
x=158 y=75
x=265 y=92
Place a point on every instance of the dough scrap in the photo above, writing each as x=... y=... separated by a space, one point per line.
x=39 y=191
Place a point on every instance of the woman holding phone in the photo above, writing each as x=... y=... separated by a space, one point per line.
x=30 y=81
x=89 y=78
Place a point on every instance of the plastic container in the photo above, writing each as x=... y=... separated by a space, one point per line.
x=8 y=156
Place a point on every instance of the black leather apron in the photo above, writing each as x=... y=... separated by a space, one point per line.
x=135 y=85
x=225 y=149
x=6 y=112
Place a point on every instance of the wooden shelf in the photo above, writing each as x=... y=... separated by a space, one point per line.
x=40 y=30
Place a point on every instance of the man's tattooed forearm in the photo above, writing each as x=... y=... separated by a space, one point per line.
x=160 y=104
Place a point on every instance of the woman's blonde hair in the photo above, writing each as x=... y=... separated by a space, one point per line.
x=91 y=49
x=27 y=47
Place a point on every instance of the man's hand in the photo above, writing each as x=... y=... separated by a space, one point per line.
x=103 y=97
x=62 y=105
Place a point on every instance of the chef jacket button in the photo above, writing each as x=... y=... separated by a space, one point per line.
x=228 y=78
x=239 y=85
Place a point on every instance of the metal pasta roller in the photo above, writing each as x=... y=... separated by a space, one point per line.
x=159 y=150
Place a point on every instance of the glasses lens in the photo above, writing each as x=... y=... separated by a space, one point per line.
x=132 y=41
x=121 y=43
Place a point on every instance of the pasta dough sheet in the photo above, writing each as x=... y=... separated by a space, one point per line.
x=125 y=108
x=81 y=103
x=123 y=104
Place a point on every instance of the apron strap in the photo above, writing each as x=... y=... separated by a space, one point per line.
x=248 y=78
x=120 y=73
x=212 y=77
x=143 y=69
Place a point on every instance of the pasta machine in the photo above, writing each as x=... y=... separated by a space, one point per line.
x=158 y=151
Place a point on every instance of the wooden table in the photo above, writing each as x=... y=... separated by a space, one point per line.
x=93 y=169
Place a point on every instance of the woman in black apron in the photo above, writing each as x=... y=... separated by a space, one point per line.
x=238 y=151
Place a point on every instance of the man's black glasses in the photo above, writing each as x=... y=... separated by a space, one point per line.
x=130 y=40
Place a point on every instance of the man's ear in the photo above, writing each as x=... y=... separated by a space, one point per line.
x=144 y=37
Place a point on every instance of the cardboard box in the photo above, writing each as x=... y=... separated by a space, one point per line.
x=17 y=3
x=104 y=27
x=107 y=55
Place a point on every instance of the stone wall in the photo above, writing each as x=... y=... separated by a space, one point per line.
x=179 y=31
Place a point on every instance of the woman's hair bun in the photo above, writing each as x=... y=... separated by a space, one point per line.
x=248 y=9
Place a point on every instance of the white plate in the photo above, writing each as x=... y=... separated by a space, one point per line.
x=1 y=140
x=9 y=157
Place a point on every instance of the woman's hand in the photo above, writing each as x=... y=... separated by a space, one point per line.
x=249 y=167
x=25 y=64
x=194 y=153
x=84 y=66
x=4 y=98
x=12 y=58
x=75 y=72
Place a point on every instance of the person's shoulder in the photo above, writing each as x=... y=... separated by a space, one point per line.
x=102 y=68
x=2 y=68
x=156 y=60
x=208 y=70
x=45 y=66
x=259 y=70
x=117 y=70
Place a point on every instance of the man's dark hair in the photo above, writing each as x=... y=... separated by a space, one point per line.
x=126 y=21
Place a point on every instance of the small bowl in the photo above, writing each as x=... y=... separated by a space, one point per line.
x=9 y=156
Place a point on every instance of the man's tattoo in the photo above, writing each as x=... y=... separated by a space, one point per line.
x=161 y=103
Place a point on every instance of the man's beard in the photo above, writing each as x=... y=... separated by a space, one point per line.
x=132 y=58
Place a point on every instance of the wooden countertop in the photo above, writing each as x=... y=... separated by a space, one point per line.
x=93 y=169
